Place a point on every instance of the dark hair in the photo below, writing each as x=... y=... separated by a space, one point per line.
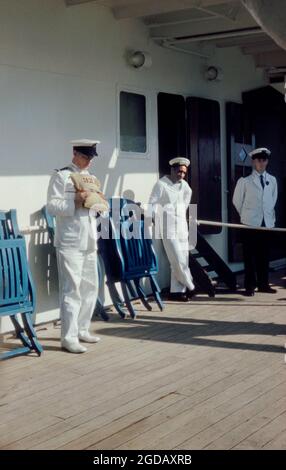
x=261 y=156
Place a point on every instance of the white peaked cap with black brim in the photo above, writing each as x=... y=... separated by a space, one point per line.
x=86 y=146
x=261 y=152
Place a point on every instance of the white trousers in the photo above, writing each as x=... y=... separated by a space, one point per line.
x=177 y=251
x=78 y=290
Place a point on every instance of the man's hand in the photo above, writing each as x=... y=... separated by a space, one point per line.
x=80 y=197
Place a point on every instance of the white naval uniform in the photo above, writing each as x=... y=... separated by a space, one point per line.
x=76 y=243
x=253 y=203
x=174 y=199
x=254 y=199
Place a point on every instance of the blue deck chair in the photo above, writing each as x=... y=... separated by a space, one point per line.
x=129 y=259
x=17 y=291
x=50 y=221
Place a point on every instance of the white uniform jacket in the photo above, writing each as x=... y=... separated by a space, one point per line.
x=253 y=203
x=75 y=228
x=174 y=199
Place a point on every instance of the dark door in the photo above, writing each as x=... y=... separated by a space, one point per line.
x=267 y=109
x=260 y=121
x=192 y=128
x=203 y=130
x=171 y=129
x=240 y=141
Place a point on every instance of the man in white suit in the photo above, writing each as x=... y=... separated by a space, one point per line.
x=76 y=244
x=171 y=196
x=254 y=199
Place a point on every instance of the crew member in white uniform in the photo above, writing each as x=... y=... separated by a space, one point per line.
x=76 y=245
x=254 y=199
x=172 y=195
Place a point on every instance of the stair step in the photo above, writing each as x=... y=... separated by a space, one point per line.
x=212 y=275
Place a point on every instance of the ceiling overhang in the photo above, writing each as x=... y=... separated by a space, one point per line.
x=199 y=26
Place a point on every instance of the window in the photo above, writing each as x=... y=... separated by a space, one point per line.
x=132 y=122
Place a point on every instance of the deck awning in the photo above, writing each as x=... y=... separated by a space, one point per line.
x=198 y=27
x=271 y=16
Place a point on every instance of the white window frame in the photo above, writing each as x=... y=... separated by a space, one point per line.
x=134 y=155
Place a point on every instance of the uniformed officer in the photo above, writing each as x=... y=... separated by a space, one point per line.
x=254 y=199
x=76 y=244
x=171 y=197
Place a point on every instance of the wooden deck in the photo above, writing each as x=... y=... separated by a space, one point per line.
x=205 y=375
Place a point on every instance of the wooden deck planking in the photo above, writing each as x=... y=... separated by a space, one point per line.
x=100 y=366
x=198 y=375
x=85 y=385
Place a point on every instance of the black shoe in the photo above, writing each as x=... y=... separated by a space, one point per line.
x=267 y=290
x=191 y=293
x=249 y=292
x=178 y=297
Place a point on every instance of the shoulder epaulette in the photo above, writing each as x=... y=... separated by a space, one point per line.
x=64 y=168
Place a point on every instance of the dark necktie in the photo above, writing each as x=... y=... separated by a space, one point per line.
x=262 y=181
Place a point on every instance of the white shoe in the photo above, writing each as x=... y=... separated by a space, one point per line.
x=86 y=337
x=73 y=346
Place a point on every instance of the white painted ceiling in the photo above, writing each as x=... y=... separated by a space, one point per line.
x=197 y=26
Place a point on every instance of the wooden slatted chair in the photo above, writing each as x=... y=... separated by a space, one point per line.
x=17 y=291
x=129 y=259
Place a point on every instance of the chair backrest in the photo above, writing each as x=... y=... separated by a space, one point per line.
x=50 y=221
x=9 y=230
x=14 y=274
x=138 y=251
x=8 y=225
x=127 y=253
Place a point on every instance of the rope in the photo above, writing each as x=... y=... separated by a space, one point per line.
x=39 y=228
x=239 y=226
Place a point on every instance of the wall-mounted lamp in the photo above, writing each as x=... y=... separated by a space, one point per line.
x=140 y=59
x=213 y=74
